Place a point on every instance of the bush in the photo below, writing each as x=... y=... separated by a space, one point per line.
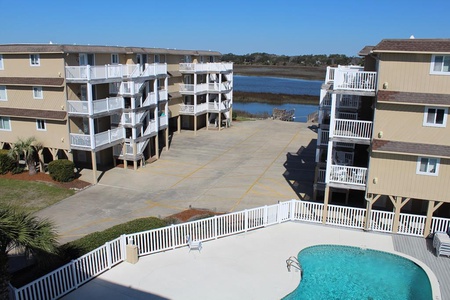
x=18 y=170
x=7 y=163
x=62 y=170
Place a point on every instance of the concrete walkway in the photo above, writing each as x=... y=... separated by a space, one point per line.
x=248 y=165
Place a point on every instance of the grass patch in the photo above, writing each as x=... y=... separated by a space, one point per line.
x=30 y=195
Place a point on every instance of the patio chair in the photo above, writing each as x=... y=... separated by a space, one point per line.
x=193 y=245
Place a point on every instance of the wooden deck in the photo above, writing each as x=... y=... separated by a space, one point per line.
x=423 y=250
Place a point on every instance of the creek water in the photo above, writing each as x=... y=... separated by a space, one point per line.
x=276 y=85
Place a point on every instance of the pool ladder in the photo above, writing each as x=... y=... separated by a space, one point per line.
x=292 y=262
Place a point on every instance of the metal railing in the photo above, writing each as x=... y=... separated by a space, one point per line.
x=353 y=129
x=72 y=275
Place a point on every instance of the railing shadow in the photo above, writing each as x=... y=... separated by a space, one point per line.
x=300 y=168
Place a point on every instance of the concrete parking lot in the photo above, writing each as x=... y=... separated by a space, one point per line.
x=248 y=165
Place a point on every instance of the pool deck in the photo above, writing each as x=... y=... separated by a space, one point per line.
x=250 y=265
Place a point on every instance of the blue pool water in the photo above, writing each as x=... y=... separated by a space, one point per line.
x=342 y=272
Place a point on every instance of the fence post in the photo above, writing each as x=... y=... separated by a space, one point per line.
x=108 y=254
x=215 y=227
x=292 y=210
x=279 y=212
x=246 y=220
x=123 y=246
x=74 y=273
x=265 y=217
x=172 y=233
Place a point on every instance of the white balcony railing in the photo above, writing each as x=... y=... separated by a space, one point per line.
x=188 y=109
x=100 y=139
x=323 y=136
x=206 y=67
x=350 y=79
x=205 y=87
x=162 y=121
x=151 y=128
x=88 y=72
x=348 y=175
x=99 y=106
x=163 y=95
x=217 y=107
x=321 y=178
x=150 y=100
x=349 y=101
x=353 y=129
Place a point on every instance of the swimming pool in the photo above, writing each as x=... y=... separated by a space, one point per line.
x=344 y=272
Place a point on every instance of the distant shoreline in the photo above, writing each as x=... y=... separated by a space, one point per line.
x=307 y=73
x=246 y=97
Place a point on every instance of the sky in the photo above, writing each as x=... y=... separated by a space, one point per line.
x=280 y=27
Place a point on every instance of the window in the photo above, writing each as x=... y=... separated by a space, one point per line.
x=40 y=125
x=3 y=95
x=427 y=166
x=37 y=92
x=1 y=62
x=5 y=123
x=440 y=64
x=114 y=59
x=157 y=58
x=435 y=116
x=34 y=60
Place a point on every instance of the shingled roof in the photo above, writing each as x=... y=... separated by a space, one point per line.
x=411 y=148
x=33 y=113
x=55 y=48
x=36 y=81
x=413 y=98
x=414 y=45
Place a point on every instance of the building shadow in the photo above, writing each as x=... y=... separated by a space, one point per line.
x=300 y=169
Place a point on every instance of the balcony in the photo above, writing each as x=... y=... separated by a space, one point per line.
x=348 y=175
x=201 y=88
x=81 y=108
x=163 y=122
x=220 y=67
x=216 y=107
x=353 y=129
x=192 y=110
x=113 y=72
x=351 y=78
x=84 y=141
x=323 y=138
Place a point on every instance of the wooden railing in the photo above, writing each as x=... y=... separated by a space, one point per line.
x=72 y=275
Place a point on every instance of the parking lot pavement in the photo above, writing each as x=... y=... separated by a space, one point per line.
x=248 y=165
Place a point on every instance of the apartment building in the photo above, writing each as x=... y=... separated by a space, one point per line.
x=103 y=105
x=383 y=138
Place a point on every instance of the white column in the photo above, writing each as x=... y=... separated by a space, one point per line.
x=330 y=139
x=91 y=119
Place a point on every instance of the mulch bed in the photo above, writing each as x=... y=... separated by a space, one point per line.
x=75 y=184
x=193 y=213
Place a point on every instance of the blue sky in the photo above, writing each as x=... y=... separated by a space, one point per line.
x=240 y=27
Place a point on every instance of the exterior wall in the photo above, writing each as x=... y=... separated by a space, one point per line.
x=56 y=135
x=174 y=106
x=410 y=73
x=404 y=123
x=22 y=97
x=396 y=175
x=18 y=65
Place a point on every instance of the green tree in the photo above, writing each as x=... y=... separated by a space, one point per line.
x=26 y=148
x=22 y=229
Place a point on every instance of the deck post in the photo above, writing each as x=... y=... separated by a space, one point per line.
x=325 y=205
x=428 y=222
x=94 y=167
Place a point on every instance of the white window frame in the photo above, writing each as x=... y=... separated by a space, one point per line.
x=3 y=119
x=433 y=64
x=35 y=60
x=3 y=89
x=1 y=62
x=114 y=59
x=38 y=93
x=41 y=125
x=428 y=171
x=426 y=113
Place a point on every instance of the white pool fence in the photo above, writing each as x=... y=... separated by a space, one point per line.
x=70 y=276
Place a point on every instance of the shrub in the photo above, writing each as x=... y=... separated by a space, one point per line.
x=62 y=170
x=17 y=170
x=7 y=163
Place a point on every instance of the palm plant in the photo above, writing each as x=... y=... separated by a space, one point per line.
x=22 y=229
x=25 y=148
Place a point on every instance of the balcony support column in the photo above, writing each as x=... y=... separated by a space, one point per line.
x=94 y=167
x=179 y=124
x=157 y=145
x=431 y=209
x=398 y=203
x=166 y=133
x=325 y=204
x=135 y=163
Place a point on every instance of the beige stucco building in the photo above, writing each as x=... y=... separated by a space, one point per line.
x=103 y=105
x=384 y=134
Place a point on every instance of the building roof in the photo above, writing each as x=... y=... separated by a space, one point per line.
x=36 y=81
x=33 y=113
x=413 y=46
x=55 y=48
x=365 y=51
x=411 y=148
x=413 y=98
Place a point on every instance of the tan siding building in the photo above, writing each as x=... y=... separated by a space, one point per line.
x=104 y=105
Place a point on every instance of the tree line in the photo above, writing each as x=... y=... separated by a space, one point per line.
x=262 y=58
